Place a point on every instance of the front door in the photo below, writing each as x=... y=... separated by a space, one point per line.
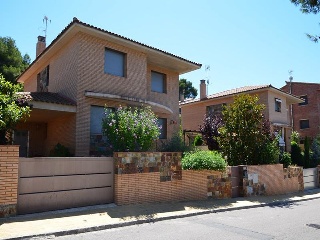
x=21 y=137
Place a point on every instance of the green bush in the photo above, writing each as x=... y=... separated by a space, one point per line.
x=285 y=159
x=295 y=137
x=204 y=160
x=296 y=155
x=197 y=141
x=269 y=152
x=60 y=151
x=175 y=144
x=131 y=129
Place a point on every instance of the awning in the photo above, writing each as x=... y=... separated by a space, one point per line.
x=156 y=107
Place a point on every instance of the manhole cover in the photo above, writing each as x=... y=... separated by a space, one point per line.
x=317 y=226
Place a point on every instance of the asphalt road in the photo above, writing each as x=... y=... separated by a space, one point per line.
x=299 y=220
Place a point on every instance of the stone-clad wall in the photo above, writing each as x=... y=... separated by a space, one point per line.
x=9 y=161
x=158 y=177
x=271 y=180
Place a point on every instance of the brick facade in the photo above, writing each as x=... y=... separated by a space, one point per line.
x=9 y=161
x=192 y=113
x=310 y=111
x=78 y=67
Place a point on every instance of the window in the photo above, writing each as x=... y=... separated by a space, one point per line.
x=305 y=98
x=98 y=142
x=162 y=122
x=304 y=124
x=114 y=62
x=215 y=109
x=158 y=82
x=43 y=80
x=277 y=104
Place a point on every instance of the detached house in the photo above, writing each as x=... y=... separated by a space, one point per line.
x=85 y=69
x=277 y=109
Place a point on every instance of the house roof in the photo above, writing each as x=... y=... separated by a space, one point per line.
x=47 y=97
x=154 y=55
x=246 y=89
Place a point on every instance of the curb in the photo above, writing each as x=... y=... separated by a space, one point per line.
x=136 y=222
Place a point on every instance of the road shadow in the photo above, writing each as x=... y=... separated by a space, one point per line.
x=150 y=211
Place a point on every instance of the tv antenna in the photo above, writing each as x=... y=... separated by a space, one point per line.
x=46 y=20
x=207 y=69
x=290 y=75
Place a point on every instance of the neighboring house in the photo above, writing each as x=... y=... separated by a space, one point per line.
x=276 y=101
x=85 y=69
x=306 y=115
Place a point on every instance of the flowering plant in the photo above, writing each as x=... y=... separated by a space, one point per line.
x=130 y=129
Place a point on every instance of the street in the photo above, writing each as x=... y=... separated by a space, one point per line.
x=300 y=220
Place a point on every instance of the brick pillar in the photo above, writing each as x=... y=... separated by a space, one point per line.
x=9 y=160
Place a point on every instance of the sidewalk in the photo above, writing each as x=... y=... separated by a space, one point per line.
x=78 y=220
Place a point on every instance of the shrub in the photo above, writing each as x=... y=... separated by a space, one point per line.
x=210 y=130
x=60 y=151
x=315 y=154
x=131 y=129
x=204 y=160
x=285 y=159
x=197 y=141
x=175 y=144
x=268 y=152
x=295 y=137
x=296 y=155
x=307 y=152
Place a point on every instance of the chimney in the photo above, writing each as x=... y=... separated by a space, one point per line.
x=182 y=96
x=41 y=45
x=203 y=89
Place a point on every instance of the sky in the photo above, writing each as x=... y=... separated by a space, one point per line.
x=244 y=42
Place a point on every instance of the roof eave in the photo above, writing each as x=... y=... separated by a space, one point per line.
x=154 y=55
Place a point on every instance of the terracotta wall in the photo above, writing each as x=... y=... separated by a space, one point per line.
x=157 y=177
x=9 y=160
x=271 y=180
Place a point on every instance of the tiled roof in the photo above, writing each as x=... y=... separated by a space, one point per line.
x=76 y=21
x=48 y=97
x=232 y=92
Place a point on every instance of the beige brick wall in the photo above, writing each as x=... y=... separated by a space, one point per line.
x=192 y=114
x=275 y=179
x=136 y=84
x=147 y=188
x=9 y=156
x=61 y=130
x=79 y=67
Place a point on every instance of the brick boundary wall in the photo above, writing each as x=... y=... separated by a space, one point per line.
x=9 y=162
x=158 y=177
x=147 y=187
x=271 y=179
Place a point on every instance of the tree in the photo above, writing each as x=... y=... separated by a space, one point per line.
x=245 y=137
x=12 y=63
x=309 y=6
x=13 y=108
x=210 y=130
x=186 y=88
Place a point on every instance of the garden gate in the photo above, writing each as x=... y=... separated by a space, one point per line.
x=54 y=183
x=310 y=178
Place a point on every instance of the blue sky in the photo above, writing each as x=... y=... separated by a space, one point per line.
x=245 y=42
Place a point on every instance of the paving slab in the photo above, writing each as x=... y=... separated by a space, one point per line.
x=94 y=218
